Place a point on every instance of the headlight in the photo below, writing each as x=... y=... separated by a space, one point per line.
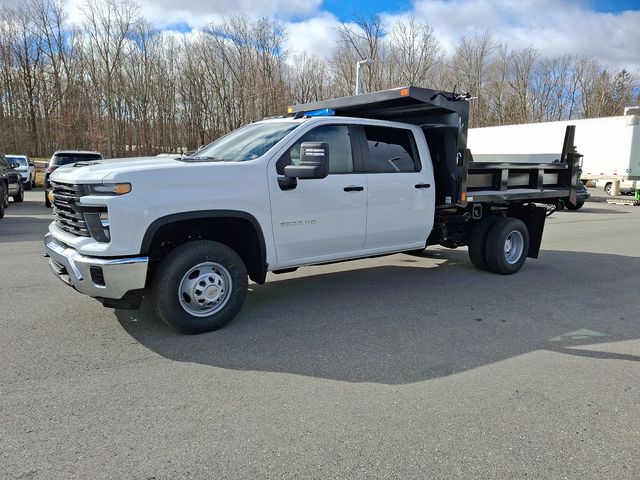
x=107 y=188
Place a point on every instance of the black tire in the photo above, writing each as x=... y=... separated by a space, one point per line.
x=607 y=188
x=477 y=241
x=172 y=274
x=577 y=206
x=29 y=184
x=19 y=197
x=3 y=196
x=47 y=203
x=418 y=252
x=500 y=260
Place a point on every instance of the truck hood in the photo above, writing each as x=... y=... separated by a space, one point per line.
x=97 y=171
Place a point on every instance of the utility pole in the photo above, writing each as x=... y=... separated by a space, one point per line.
x=366 y=61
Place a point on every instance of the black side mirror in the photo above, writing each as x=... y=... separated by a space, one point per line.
x=31 y=164
x=314 y=162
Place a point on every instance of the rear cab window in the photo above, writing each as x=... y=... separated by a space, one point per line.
x=389 y=150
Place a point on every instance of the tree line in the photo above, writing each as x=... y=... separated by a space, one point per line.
x=116 y=84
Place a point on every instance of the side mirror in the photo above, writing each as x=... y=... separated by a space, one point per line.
x=31 y=164
x=314 y=162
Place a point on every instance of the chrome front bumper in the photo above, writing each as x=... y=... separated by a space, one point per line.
x=109 y=278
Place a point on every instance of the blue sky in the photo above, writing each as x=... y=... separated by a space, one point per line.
x=344 y=9
x=614 y=5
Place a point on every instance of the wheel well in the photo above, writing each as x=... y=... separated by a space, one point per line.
x=241 y=234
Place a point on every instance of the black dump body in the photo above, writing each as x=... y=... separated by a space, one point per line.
x=444 y=116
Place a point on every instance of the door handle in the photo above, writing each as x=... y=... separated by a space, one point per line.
x=353 y=188
x=423 y=185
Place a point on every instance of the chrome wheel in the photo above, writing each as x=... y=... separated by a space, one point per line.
x=513 y=247
x=205 y=289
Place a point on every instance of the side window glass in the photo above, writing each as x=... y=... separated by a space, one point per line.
x=390 y=150
x=339 y=141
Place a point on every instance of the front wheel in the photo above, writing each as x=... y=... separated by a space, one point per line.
x=507 y=246
x=29 y=184
x=19 y=197
x=47 y=202
x=2 y=202
x=608 y=188
x=200 y=286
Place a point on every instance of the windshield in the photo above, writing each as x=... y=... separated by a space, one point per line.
x=248 y=142
x=21 y=160
x=66 y=158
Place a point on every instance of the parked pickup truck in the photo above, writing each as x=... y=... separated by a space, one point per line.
x=342 y=179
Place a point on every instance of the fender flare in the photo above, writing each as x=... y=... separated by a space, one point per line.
x=158 y=223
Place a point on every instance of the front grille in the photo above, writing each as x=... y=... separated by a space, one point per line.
x=67 y=211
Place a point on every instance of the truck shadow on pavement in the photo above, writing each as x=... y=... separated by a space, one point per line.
x=411 y=319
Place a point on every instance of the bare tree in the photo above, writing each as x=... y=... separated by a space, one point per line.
x=469 y=67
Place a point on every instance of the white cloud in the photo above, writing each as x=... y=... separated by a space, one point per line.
x=554 y=27
x=316 y=35
x=197 y=13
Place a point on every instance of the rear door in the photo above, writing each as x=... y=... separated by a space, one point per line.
x=399 y=195
x=320 y=218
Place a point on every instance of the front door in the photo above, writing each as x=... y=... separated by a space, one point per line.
x=320 y=219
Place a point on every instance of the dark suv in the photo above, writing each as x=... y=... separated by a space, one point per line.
x=12 y=180
x=65 y=157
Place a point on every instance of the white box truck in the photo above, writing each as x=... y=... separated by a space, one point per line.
x=610 y=145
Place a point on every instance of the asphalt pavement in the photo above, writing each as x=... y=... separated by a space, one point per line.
x=398 y=367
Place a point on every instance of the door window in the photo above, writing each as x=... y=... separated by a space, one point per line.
x=339 y=141
x=391 y=150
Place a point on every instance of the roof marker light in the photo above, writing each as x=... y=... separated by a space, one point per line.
x=323 y=112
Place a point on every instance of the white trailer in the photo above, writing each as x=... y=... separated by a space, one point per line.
x=610 y=145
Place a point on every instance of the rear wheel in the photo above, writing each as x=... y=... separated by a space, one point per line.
x=607 y=188
x=477 y=242
x=200 y=286
x=507 y=245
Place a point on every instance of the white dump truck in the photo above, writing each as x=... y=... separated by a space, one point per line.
x=610 y=147
x=347 y=178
